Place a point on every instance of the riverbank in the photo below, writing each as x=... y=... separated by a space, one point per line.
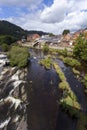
x=58 y=47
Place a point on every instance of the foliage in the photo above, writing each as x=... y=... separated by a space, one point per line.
x=66 y=31
x=71 y=62
x=64 y=85
x=80 y=49
x=70 y=106
x=46 y=62
x=5 y=47
x=64 y=52
x=7 y=39
x=69 y=100
x=18 y=56
x=7 y=28
x=85 y=81
x=76 y=72
x=51 y=35
x=82 y=122
x=45 y=48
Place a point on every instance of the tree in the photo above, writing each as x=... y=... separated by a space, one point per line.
x=51 y=35
x=18 y=56
x=66 y=31
x=7 y=39
x=80 y=49
x=5 y=47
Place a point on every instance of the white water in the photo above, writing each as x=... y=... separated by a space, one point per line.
x=15 y=82
x=5 y=123
x=16 y=119
x=14 y=101
x=16 y=76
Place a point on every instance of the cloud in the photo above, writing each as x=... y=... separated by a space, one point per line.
x=55 y=13
x=60 y=15
x=23 y=3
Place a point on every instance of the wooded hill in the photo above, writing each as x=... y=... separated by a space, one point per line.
x=7 y=28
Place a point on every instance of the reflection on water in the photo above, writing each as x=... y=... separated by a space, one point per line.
x=43 y=96
x=43 y=112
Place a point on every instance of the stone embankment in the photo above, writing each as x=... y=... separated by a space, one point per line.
x=59 y=47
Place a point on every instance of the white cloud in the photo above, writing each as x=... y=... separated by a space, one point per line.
x=64 y=14
x=55 y=13
x=21 y=3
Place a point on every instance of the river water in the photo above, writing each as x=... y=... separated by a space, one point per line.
x=43 y=112
x=43 y=95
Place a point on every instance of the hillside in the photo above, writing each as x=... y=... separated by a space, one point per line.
x=7 y=28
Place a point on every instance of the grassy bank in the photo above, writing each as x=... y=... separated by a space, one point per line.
x=69 y=101
x=84 y=81
x=68 y=97
x=47 y=62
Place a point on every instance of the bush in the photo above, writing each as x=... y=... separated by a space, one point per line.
x=85 y=81
x=64 y=85
x=64 y=52
x=5 y=47
x=46 y=62
x=69 y=100
x=7 y=39
x=80 y=49
x=71 y=62
x=76 y=72
x=18 y=56
x=45 y=48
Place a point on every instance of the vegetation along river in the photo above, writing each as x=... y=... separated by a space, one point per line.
x=43 y=112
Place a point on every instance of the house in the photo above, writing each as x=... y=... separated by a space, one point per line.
x=19 y=42
x=33 y=37
x=67 y=37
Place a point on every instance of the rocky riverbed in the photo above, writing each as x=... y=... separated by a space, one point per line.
x=13 y=98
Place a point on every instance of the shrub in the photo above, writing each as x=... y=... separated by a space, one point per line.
x=45 y=48
x=80 y=49
x=5 y=47
x=69 y=100
x=18 y=56
x=46 y=62
x=64 y=85
x=85 y=81
x=76 y=72
x=72 y=62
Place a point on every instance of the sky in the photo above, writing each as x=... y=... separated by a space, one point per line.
x=45 y=15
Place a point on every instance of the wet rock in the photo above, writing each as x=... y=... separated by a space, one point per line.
x=12 y=90
x=13 y=70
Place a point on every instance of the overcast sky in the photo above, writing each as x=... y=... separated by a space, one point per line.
x=46 y=15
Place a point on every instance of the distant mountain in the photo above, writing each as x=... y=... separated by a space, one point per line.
x=36 y=32
x=7 y=28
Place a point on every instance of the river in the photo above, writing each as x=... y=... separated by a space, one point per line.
x=43 y=111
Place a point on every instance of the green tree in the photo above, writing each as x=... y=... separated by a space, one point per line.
x=7 y=39
x=80 y=49
x=51 y=35
x=66 y=31
x=5 y=47
x=18 y=56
